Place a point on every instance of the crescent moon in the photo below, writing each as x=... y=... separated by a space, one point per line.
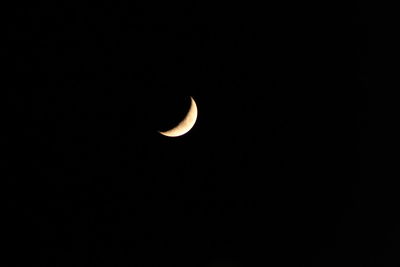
x=186 y=124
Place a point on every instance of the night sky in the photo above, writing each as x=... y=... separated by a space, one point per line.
x=272 y=174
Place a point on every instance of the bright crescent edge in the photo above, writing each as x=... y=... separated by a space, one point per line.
x=186 y=124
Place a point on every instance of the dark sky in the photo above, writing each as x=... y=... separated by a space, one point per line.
x=273 y=173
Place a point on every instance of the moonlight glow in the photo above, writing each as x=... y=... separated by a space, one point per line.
x=186 y=125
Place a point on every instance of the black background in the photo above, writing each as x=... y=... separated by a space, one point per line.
x=274 y=171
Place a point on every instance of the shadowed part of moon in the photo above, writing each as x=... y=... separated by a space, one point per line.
x=186 y=124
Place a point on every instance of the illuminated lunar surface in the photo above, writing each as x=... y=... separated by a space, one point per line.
x=186 y=124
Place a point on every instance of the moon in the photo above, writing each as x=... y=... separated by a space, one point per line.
x=186 y=124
